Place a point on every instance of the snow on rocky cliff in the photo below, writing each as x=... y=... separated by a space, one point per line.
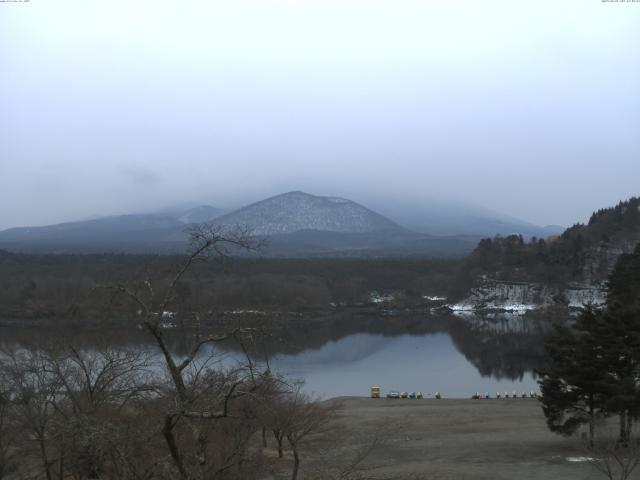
x=519 y=297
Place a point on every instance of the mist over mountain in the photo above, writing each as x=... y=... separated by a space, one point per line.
x=296 y=224
x=199 y=214
x=94 y=234
x=445 y=217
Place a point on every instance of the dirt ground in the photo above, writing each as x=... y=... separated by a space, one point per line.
x=463 y=439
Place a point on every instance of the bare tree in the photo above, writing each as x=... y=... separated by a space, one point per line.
x=613 y=459
x=8 y=454
x=33 y=395
x=101 y=377
x=68 y=409
x=198 y=394
x=111 y=413
x=345 y=456
x=273 y=412
x=96 y=387
x=305 y=417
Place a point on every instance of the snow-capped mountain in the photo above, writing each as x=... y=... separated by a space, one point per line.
x=298 y=211
x=295 y=224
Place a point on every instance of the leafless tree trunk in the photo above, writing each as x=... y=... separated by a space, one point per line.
x=342 y=455
x=296 y=459
x=279 y=436
x=305 y=417
x=613 y=459
x=7 y=446
x=74 y=408
x=206 y=241
x=34 y=393
x=71 y=405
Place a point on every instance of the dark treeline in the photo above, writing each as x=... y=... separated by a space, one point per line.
x=64 y=286
x=583 y=253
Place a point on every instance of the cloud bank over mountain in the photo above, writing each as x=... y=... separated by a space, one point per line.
x=110 y=108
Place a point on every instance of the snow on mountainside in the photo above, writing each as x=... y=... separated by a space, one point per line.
x=297 y=211
x=296 y=224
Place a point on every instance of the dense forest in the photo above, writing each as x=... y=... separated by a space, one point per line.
x=583 y=253
x=68 y=285
x=65 y=286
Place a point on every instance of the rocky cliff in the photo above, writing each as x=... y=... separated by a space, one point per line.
x=491 y=295
x=514 y=274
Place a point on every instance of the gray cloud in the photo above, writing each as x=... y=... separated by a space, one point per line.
x=140 y=175
x=531 y=110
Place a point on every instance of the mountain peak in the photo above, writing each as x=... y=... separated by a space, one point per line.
x=297 y=211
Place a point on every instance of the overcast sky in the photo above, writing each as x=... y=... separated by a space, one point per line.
x=529 y=108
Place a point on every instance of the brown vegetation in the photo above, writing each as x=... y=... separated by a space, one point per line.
x=64 y=286
x=107 y=413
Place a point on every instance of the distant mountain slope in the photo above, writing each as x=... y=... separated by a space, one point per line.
x=298 y=211
x=107 y=226
x=119 y=232
x=388 y=243
x=441 y=217
x=200 y=214
x=295 y=224
x=104 y=234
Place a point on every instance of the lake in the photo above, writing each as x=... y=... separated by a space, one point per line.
x=428 y=363
x=347 y=354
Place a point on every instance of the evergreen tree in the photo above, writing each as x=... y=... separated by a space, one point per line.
x=572 y=382
x=620 y=336
x=593 y=368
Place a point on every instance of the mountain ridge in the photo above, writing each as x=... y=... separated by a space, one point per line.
x=297 y=211
x=295 y=224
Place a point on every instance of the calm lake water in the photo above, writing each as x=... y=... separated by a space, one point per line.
x=427 y=363
x=346 y=355
x=455 y=356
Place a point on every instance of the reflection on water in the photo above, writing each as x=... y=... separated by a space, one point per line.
x=426 y=363
x=347 y=354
